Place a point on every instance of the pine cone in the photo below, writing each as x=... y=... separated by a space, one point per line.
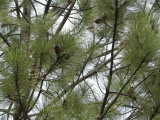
x=101 y=19
x=66 y=56
x=57 y=49
x=98 y=20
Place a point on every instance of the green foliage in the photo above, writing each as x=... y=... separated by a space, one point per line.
x=17 y=63
x=4 y=4
x=142 y=41
x=86 y=15
x=105 y=66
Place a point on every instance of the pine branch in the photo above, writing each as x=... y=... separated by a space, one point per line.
x=5 y=40
x=47 y=8
x=33 y=91
x=65 y=18
x=6 y=111
x=34 y=8
x=112 y=57
x=17 y=8
x=115 y=99
x=138 y=84
x=50 y=69
x=155 y=112
x=43 y=78
x=64 y=8
x=9 y=109
x=60 y=11
x=1 y=54
x=125 y=3
x=121 y=67
x=123 y=95
x=19 y=96
x=84 y=67
x=89 y=74
x=131 y=115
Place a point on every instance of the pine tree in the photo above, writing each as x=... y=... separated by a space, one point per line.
x=79 y=59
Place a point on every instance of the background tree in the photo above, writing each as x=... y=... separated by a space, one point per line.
x=79 y=59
